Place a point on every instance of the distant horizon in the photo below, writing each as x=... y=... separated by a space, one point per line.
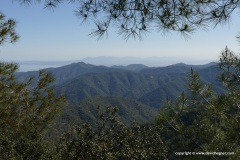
x=90 y=57
x=109 y=61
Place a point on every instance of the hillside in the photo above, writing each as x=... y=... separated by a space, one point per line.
x=123 y=84
x=176 y=68
x=83 y=84
x=65 y=73
x=130 y=111
x=131 y=67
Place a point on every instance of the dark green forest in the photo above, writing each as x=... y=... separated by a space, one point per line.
x=82 y=111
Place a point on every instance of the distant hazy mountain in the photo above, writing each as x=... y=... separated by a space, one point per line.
x=111 y=61
x=175 y=68
x=150 y=61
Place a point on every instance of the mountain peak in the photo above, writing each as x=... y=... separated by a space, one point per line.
x=179 y=64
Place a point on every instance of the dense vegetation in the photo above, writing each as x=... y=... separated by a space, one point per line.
x=25 y=113
x=198 y=120
x=137 y=94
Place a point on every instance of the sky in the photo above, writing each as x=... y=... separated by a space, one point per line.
x=58 y=35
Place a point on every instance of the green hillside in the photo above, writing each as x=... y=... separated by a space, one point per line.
x=130 y=111
x=83 y=84
x=131 y=67
x=68 y=72
x=123 y=84
x=170 y=89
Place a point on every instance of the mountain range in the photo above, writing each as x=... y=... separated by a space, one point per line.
x=137 y=90
x=148 y=61
x=111 y=61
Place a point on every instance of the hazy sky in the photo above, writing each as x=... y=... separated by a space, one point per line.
x=59 y=35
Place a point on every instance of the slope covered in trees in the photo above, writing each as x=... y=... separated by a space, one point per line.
x=65 y=73
x=78 y=81
x=129 y=111
x=123 y=84
x=151 y=86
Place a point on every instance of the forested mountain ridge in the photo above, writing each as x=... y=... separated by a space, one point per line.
x=81 y=83
x=67 y=72
x=175 y=68
x=79 y=80
x=137 y=94
x=123 y=84
x=74 y=70
x=131 y=67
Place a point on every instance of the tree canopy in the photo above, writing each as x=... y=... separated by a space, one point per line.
x=133 y=18
x=7 y=30
x=26 y=109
